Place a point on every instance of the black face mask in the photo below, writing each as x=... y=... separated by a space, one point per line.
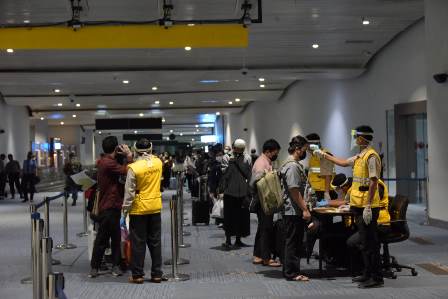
x=274 y=157
x=302 y=156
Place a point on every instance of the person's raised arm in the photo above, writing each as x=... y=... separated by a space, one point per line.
x=338 y=161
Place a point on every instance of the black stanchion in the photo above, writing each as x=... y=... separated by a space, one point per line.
x=180 y=213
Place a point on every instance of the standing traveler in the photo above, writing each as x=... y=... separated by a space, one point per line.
x=143 y=203
x=110 y=201
x=71 y=167
x=29 y=177
x=295 y=212
x=264 y=239
x=235 y=186
x=365 y=202
x=320 y=171
x=2 y=176
x=12 y=170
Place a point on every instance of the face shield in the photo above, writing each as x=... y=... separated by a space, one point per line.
x=354 y=136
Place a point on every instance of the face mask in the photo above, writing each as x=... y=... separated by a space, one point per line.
x=274 y=157
x=302 y=156
x=226 y=151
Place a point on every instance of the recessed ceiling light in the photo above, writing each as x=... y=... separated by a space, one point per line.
x=261 y=79
x=78 y=105
x=26 y=21
x=62 y=123
x=57 y=90
x=197 y=126
x=141 y=115
x=181 y=134
x=365 y=22
x=187 y=48
x=157 y=102
x=237 y=100
x=100 y=132
x=167 y=138
x=197 y=130
x=218 y=113
x=59 y=104
x=10 y=50
x=262 y=86
x=315 y=46
x=209 y=81
x=135 y=132
x=42 y=118
x=163 y=120
x=171 y=131
x=74 y=115
x=154 y=88
x=230 y=103
x=171 y=103
x=192 y=139
x=191 y=24
x=125 y=81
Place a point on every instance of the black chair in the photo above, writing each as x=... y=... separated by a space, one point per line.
x=398 y=231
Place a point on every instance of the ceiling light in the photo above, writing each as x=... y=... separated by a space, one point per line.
x=59 y=104
x=230 y=103
x=237 y=100
x=154 y=88
x=181 y=134
x=10 y=50
x=42 y=118
x=125 y=81
x=99 y=132
x=141 y=115
x=171 y=131
x=262 y=86
x=365 y=22
x=74 y=115
x=192 y=139
x=209 y=81
x=191 y=24
x=157 y=102
x=261 y=79
x=78 y=105
x=171 y=103
x=57 y=90
x=197 y=130
x=197 y=126
x=26 y=21
x=187 y=48
x=135 y=132
x=167 y=138
x=218 y=113
x=315 y=46
x=62 y=123
x=163 y=120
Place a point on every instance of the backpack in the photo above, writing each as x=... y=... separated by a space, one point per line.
x=270 y=191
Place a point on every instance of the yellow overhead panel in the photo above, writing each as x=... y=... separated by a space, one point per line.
x=125 y=37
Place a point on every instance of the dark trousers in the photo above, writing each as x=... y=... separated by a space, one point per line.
x=73 y=191
x=369 y=243
x=28 y=187
x=146 y=230
x=294 y=230
x=264 y=239
x=109 y=228
x=2 y=183
x=14 y=180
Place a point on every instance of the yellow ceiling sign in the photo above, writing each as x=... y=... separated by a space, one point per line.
x=125 y=37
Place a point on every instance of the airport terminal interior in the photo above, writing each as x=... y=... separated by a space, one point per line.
x=223 y=149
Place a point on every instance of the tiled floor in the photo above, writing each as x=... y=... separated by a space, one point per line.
x=214 y=273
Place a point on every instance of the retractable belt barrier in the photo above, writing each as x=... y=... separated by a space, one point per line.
x=46 y=284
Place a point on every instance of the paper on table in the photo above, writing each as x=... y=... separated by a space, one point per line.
x=82 y=179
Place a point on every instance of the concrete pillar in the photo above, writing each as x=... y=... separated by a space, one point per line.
x=436 y=23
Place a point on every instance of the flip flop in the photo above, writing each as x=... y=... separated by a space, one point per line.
x=257 y=261
x=301 y=278
x=273 y=264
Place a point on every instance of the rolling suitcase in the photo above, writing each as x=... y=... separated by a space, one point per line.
x=201 y=205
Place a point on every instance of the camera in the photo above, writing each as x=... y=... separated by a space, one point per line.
x=441 y=78
x=244 y=71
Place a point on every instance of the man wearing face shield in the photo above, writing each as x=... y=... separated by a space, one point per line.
x=295 y=213
x=320 y=171
x=365 y=203
x=235 y=184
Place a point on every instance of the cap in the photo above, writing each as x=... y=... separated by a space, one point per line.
x=239 y=143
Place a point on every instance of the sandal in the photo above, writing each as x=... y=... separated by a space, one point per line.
x=272 y=263
x=301 y=278
x=257 y=261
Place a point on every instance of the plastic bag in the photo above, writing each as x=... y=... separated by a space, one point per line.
x=218 y=209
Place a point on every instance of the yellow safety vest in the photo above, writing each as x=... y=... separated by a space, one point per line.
x=359 y=198
x=148 y=198
x=317 y=181
x=384 y=217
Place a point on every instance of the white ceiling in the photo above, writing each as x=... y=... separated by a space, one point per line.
x=280 y=50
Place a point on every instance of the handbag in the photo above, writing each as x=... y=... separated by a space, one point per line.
x=218 y=209
x=248 y=199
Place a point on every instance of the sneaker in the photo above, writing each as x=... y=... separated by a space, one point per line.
x=136 y=280
x=371 y=283
x=93 y=273
x=360 y=278
x=116 y=271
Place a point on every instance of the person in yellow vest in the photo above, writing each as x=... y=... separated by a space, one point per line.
x=320 y=171
x=364 y=202
x=143 y=204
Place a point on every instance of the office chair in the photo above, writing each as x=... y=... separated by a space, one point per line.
x=397 y=232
